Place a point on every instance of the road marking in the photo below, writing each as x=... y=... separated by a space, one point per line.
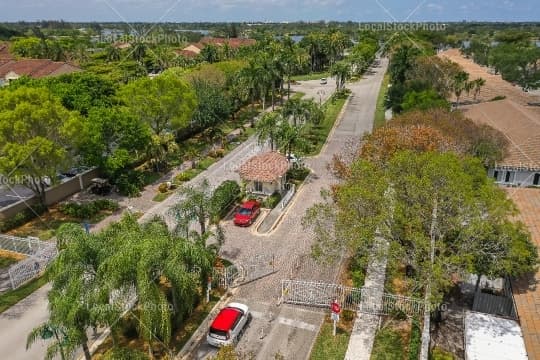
x=297 y=324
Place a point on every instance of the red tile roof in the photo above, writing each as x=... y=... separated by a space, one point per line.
x=266 y=167
x=37 y=68
x=232 y=42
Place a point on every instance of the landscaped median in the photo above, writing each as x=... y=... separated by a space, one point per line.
x=380 y=111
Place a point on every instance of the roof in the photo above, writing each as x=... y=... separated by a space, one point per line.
x=519 y=124
x=492 y=338
x=226 y=319
x=37 y=68
x=266 y=167
x=5 y=55
x=232 y=42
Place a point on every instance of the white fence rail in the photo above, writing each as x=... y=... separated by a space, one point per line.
x=25 y=246
x=319 y=294
x=288 y=196
x=32 y=266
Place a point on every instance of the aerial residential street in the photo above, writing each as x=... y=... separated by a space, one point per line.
x=287 y=330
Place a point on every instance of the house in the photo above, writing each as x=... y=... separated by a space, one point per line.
x=194 y=49
x=34 y=68
x=520 y=124
x=265 y=174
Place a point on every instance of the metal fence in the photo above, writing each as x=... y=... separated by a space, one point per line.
x=288 y=196
x=25 y=246
x=32 y=266
x=367 y=300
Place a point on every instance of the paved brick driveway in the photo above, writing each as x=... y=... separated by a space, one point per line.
x=527 y=289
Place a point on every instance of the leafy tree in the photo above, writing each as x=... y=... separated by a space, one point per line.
x=194 y=206
x=213 y=104
x=424 y=100
x=36 y=135
x=210 y=53
x=461 y=80
x=290 y=138
x=165 y=104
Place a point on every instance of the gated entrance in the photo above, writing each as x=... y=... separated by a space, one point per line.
x=253 y=269
x=366 y=300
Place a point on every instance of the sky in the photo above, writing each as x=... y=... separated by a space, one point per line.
x=270 y=10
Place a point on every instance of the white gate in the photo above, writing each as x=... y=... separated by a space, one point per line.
x=367 y=300
x=32 y=266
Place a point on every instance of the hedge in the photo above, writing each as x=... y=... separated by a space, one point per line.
x=223 y=197
x=87 y=210
x=22 y=217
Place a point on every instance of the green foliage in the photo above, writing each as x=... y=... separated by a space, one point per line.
x=357 y=268
x=224 y=196
x=424 y=100
x=271 y=201
x=380 y=111
x=388 y=345
x=415 y=342
x=186 y=175
x=130 y=183
x=88 y=210
x=329 y=347
x=205 y=163
x=36 y=132
x=440 y=354
x=12 y=297
x=22 y=217
x=213 y=104
x=298 y=173
x=117 y=353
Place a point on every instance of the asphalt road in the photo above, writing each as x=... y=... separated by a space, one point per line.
x=289 y=330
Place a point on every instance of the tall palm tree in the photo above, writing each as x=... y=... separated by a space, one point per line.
x=267 y=128
x=139 y=52
x=113 y=53
x=478 y=84
x=460 y=83
x=342 y=71
x=290 y=138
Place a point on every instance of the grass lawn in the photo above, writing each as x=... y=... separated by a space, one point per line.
x=389 y=344
x=298 y=95
x=7 y=259
x=162 y=196
x=381 y=109
x=12 y=297
x=311 y=76
x=316 y=135
x=329 y=347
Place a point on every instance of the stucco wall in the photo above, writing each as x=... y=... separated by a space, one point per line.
x=521 y=178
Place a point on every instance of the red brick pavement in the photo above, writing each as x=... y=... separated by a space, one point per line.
x=527 y=289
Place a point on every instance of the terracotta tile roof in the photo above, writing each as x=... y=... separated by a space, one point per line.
x=186 y=53
x=266 y=167
x=519 y=124
x=37 y=68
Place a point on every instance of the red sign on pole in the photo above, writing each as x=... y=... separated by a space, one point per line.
x=336 y=309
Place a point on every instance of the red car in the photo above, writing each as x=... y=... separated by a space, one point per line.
x=247 y=213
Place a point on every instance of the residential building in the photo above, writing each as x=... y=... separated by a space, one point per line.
x=265 y=174
x=34 y=68
x=194 y=49
x=521 y=126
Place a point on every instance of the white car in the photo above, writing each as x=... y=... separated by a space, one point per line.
x=228 y=325
x=324 y=81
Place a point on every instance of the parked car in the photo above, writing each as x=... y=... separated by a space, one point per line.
x=324 y=81
x=247 y=213
x=228 y=325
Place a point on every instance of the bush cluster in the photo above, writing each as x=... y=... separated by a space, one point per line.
x=130 y=183
x=223 y=197
x=22 y=217
x=416 y=340
x=298 y=173
x=272 y=201
x=88 y=210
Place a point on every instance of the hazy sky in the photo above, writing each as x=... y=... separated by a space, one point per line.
x=270 y=10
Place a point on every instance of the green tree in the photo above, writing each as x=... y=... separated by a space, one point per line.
x=194 y=206
x=36 y=136
x=342 y=72
x=267 y=128
x=424 y=100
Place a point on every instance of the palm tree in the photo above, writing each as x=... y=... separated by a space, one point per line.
x=113 y=53
x=478 y=84
x=459 y=85
x=290 y=138
x=195 y=205
x=139 y=52
x=302 y=111
x=267 y=128
x=62 y=345
x=342 y=71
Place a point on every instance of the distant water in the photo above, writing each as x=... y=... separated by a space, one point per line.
x=295 y=38
x=203 y=32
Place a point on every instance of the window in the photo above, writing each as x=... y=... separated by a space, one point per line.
x=509 y=177
x=496 y=175
x=258 y=186
x=536 y=180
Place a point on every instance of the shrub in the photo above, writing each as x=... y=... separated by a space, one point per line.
x=87 y=210
x=298 y=173
x=130 y=183
x=205 y=163
x=121 y=353
x=186 y=175
x=163 y=188
x=223 y=197
x=216 y=154
x=22 y=217
x=272 y=201
x=416 y=340
x=439 y=354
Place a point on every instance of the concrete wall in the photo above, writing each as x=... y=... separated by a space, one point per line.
x=518 y=177
x=54 y=194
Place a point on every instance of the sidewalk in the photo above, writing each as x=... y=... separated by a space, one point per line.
x=366 y=325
